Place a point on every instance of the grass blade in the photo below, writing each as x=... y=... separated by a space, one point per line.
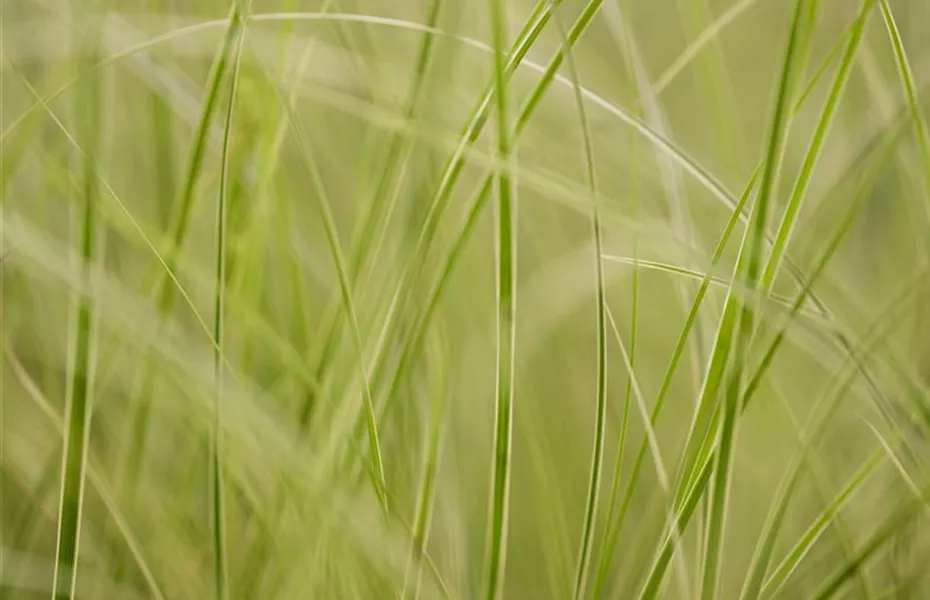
x=220 y=567
x=138 y=437
x=506 y=318
x=79 y=405
x=600 y=424
x=827 y=115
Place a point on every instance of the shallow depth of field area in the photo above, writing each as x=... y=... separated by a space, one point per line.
x=373 y=299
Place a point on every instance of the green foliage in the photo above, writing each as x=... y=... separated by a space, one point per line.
x=431 y=299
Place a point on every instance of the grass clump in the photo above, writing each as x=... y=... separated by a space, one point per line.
x=259 y=305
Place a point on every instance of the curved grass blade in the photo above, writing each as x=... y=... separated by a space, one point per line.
x=506 y=318
x=600 y=424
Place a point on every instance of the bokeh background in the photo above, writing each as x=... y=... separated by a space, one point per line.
x=116 y=120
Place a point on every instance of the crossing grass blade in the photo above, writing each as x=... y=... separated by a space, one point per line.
x=828 y=114
x=766 y=545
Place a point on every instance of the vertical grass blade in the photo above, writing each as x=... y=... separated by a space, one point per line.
x=87 y=110
x=906 y=75
x=827 y=115
x=220 y=567
x=713 y=552
x=761 y=557
x=600 y=423
x=506 y=317
x=138 y=437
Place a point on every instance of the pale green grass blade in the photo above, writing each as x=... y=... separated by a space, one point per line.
x=97 y=481
x=373 y=225
x=801 y=184
x=607 y=544
x=79 y=403
x=498 y=520
x=600 y=424
x=768 y=537
x=138 y=436
x=662 y=476
x=754 y=242
x=906 y=75
x=220 y=566
x=901 y=518
x=706 y=37
x=425 y=496
x=413 y=341
x=820 y=524
x=320 y=198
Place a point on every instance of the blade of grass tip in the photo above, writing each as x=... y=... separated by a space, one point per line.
x=901 y=518
x=767 y=538
x=755 y=239
x=320 y=198
x=424 y=507
x=220 y=567
x=138 y=435
x=600 y=422
x=827 y=115
x=87 y=113
x=506 y=316
x=381 y=205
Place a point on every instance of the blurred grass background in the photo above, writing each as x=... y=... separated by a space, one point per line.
x=308 y=143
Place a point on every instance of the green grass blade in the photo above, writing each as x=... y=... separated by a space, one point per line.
x=906 y=74
x=766 y=545
x=220 y=567
x=827 y=116
x=424 y=507
x=506 y=319
x=319 y=195
x=79 y=407
x=797 y=553
x=381 y=206
x=900 y=519
x=755 y=241
x=600 y=424
x=138 y=438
